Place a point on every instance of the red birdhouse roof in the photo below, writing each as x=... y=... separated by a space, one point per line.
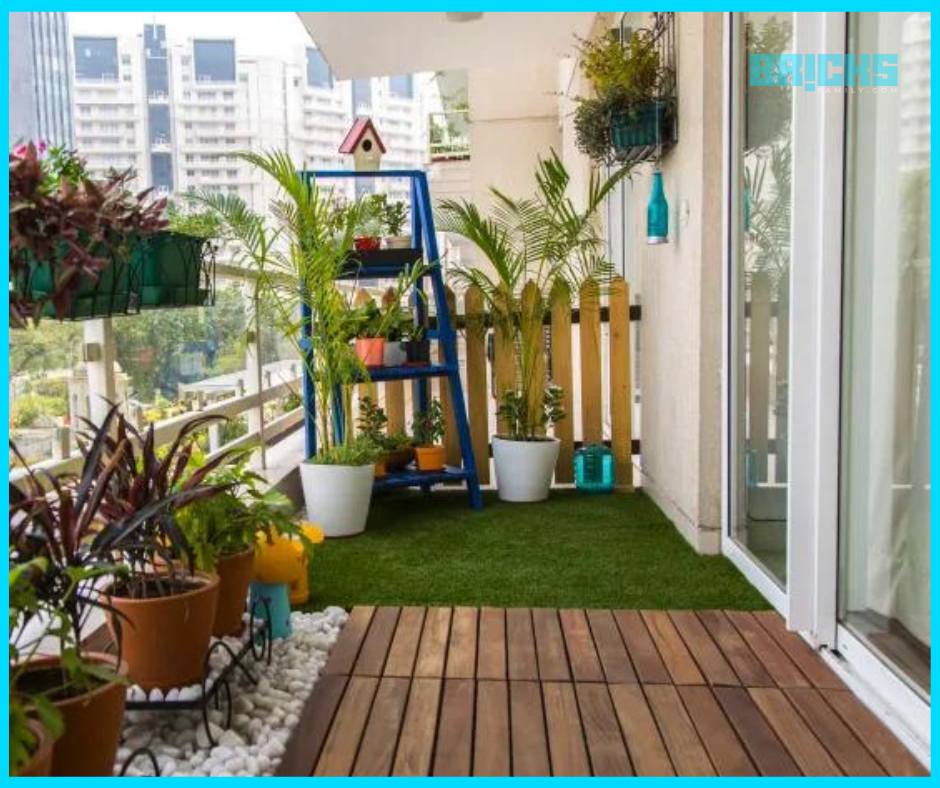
x=355 y=134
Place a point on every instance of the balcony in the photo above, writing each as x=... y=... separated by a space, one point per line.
x=449 y=136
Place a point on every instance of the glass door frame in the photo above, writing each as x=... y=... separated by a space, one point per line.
x=810 y=602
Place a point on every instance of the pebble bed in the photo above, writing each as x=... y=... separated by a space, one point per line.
x=263 y=715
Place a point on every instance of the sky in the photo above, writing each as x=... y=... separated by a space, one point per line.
x=259 y=33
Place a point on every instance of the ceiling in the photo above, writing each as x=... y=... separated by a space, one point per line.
x=366 y=44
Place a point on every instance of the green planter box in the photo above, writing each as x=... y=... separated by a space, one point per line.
x=178 y=272
x=116 y=291
x=645 y=126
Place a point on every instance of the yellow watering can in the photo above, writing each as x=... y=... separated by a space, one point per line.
x=284 y=561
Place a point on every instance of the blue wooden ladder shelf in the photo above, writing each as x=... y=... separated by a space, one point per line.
x=390 y=266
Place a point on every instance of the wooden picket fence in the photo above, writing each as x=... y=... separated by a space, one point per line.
x=585 y=417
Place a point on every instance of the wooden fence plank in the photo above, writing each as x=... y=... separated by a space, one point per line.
x=462 y=651
x=395 y=389
x=374 y=651
x=339 y=751
x=520 y=645
x=491 y=744
x=726 y=752
x=685 y=748
x=491 y=651
x=621 y=384
x=478 y=400
x=432 y=653
x=585 y=665
x=758 y=376
x=377 y=749
x=565 y=736
x=592 y=414
x=451 y=438
x=550 y=646
x=533 y=352
x=363 y=390
x=527 y=720
x=416 y=745
x=454 y=746
x=504 y=367
x=562 y=375
x=404 y=648
x=343 y=654
x=602 y=731
x=644 y=742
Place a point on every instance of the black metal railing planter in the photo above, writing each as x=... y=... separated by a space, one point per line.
x=161 y=271
x=645 y=130
x=215 y=688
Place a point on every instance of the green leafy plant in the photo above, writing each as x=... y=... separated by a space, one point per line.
x=372 y=421
x=537 y=247
x=395 y=216
x=397 y=441
x=428 y=425
x=514 y=408
x=229 y=523
x=188 y=219
x=354 y=452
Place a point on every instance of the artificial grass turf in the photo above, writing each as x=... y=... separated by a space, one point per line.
x=607 y=551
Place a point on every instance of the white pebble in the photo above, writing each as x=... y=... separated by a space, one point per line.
x=136 y=693
x=156 y=695
x=173 y=694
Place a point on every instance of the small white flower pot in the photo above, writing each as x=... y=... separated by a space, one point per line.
x=337 y=497
x=524 y=469
x=398 y=242
x=394 y=354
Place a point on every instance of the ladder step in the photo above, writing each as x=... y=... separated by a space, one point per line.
x=380 y=374
x=380 y=263
x=411 y=478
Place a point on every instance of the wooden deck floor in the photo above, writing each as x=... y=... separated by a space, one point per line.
x=436 y=691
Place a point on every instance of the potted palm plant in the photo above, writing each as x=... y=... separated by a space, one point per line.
x=223 y=533
x=534 y=245
x=298 y=259
x=428 y=429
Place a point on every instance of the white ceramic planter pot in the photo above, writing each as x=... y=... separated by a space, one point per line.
x=394 y=354
x=398 y=242
x=337 y=497
x=524 y=469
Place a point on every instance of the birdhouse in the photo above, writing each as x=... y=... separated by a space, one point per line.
x=364 y=144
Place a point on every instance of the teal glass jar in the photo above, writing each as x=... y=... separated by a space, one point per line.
x=594 y=469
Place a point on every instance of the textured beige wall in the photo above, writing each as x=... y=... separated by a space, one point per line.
x=680 y=285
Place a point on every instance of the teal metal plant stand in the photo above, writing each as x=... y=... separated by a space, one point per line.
x=388 y=264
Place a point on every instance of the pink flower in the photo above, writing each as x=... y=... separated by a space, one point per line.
x=42 y=147
x=20 y=151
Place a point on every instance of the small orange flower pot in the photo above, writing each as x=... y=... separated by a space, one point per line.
x=430 y=458
x=371 y=351
x=380 y=469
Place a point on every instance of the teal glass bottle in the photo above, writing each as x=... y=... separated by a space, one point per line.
x=594 y=469
x=657 y=212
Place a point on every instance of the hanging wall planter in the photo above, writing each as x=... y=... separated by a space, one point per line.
x=179 y=271
x=635 y=133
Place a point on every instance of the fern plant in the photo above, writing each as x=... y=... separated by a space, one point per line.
x=547 y=240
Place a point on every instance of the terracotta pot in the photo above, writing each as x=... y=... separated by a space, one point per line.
x=380 y=469
x=235 y=573
x=371 y=351
x=40 y=763
x=398 y=459
x=92 y=722
x=367 y=243
x=165 y=639
x=430 y=458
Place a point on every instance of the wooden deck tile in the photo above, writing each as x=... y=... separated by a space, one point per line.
x=736 y=651
x=462 y=651
x=491 y=750
x=520 y=645
x=644 y=742
x=685 y=748
x=343 y=654
x=527 y=721
x=416 y=743
x=676 y=657
x=404 y=648
x=610 y=648
x=706 y=654
x=377 y=749
x=585 y=665
x=566 y=747
x=454 y=745
x=726 y=752
x=550 y=646
x=491 y=649
x=605 y=744
x=371 y=660
x=642 y=646
x=415 y=692
x=432 y=652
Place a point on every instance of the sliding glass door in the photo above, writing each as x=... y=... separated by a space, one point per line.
x=884 y=572
x=760 y=296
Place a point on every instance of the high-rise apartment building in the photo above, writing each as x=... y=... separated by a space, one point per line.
x=40 y=90
x=179 y=111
